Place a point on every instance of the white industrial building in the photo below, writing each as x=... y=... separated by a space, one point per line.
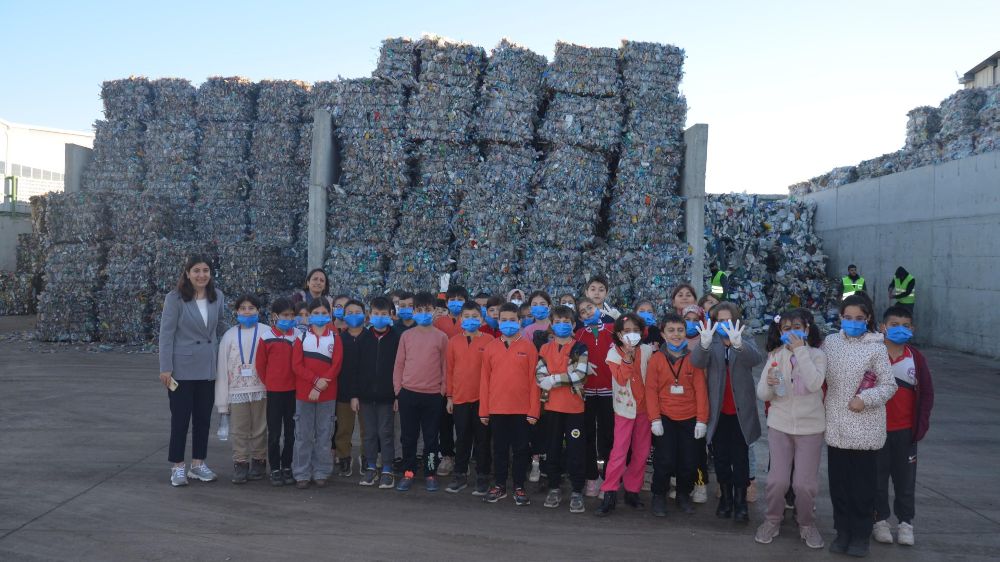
x=33 y=158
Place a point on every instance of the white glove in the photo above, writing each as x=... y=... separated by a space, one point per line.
x=706 y=329
x=735 y=334
x=657 y=427
x=700 y=430
x=545 y=383
x=443 y=282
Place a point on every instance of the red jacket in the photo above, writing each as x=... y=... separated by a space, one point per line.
x=465 y=366
x=507 y=384
x=597 y=354
x=450 y=325
x=274 y=360
x=317 y=357
x=924 y=394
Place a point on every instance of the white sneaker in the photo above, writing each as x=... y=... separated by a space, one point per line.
x=881 y=532
x=446 y=467
x=905 y=533
x=536 y=473
x=178 y=476
x=203 y=473
x=700 y=494
x=592 y=489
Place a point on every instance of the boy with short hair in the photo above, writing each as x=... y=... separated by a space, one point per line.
x=597 y=290
x=464 y=368
x=456 y=296
x=339 y=302
x=509 y=403
x=524 y=315
x=418 y=379
x=908 y=415
x=404 y=312
x=274 y=366
x=354 y=321
x=491 y=320
x=599 y=418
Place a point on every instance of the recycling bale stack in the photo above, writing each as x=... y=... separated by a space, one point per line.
x=119 y=138
x=989 y=122
x=646 y=219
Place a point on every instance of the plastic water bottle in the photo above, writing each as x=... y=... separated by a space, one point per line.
x=779 y=389
x=223 y=427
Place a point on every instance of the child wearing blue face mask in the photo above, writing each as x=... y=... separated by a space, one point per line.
x=274 y=366
x=354 y=319
x=404 y=312
x=599 y=414
x=651 y=333
x=540 y=307
x=451 y=325
x=908 y=415
x=302 y=318
x=240 y=393
x=338 y=311
x=792 y=384
x=491 y=318
x=524 y=315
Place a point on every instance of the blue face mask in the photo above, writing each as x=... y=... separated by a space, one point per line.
x=540 y=311
x=854 y=328
x=319 y=319
x=302 y=320
x=677 y=348
x=405 y=313
x=285 y=325
x=380 y=322
x=899 y=334
x=471 y=324
x=648 y=317
x=527 y=321
x=691 y=328
x=482 y=311
x=492 y=322
x=720 y=331
x=785 y=336
x=593 y=320
x=562 y=329
x=509 y=328
x=423 y=318
x=355 y=320
x=455 y=307
x=248 y=321
x=338 y=313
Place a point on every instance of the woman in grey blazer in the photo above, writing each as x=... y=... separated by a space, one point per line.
x=190 y=329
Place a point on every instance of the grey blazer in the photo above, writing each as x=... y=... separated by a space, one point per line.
x=741 y=364
x=188 y=348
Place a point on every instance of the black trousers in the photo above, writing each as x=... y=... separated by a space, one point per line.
x=702 y=474
x=852 y=490
x=471 y=433
x=565 y=428
x=446 y=439
x=897 y=460
x=599 y=429
x=510 y=438
x=190 y=406
x=280 y=419
x=676 y=455
x=419 y=414
x=731 y=453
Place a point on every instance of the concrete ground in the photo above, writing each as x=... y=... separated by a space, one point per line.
x=84 y=442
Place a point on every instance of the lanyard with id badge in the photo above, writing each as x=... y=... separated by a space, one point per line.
x=677 y=387
x=246 y=368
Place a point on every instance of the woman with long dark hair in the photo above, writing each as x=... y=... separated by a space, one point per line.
x=317 y=284
x=190 y=329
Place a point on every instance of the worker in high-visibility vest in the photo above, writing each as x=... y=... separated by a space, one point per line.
x=903 y=288
x=719 y=279
x=853 y=283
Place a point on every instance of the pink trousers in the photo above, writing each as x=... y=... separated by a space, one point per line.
x=634 y=434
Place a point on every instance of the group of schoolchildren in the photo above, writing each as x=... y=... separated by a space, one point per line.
x=528 y=386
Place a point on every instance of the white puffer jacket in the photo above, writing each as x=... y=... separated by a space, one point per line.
x=847 y=361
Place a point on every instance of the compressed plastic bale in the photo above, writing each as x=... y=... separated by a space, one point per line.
x=65 y=315
x=281 y=185
x=228 y=222
x=451 y=165
x=17 y=296
x=593 y=123
x=649 y=168
x=169 y=143
x=30 y=257
x=843 y=176
x=123 y=303
x=274 y=143
x=368 y=108
x=254 y=268
x=77 y=217
x=570 y=186
x=169 y=256
x=879 y=166
x=127 y=99
x=510 y=95
x=303 y=151
x=361 y=220
x=397 y=61
x=117 y=140
x=493 y=211
x=959 y=147
x=378 y=168
x=586 y=71
x=650 y=68
x=989 y=113
x=960 y=113
x=227 y=99
x=419 y=267
x=274 y=224
x=642 y=220
x=281 y=101
x=553 y=270
x=356 y=270
x=174 y=99
x=441 y=113
x=922 y=124
x=988 y=141
x=660 y=123
x=448 y=63
x=321 y=96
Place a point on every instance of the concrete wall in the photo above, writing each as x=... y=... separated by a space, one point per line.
x=942 y=223
x=10 y=227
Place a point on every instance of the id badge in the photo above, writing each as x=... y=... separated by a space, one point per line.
x=676 y=389
x=246 y=371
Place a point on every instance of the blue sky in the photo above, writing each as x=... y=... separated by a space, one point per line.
x=789 y=89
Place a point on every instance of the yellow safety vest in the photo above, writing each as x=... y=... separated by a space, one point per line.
x=900 y=287
x=851 y=287
x=717 y=290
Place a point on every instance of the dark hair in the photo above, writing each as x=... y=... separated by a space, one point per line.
x=731 y=307
x=898 y=312
x=813 y=337
x=481 y=295
x=598 y=279
x=359 y=304
x=440 y=303
x=184 y=286
x=455 y=291
x=864 y=302
x=641 y=302
x=281 y=304
x=525 y=309
x=246 y=297
x=338 y=297
x=300 y=306
x=673 y=318
x=471 y=305
x=677 y=289
x=495 y=300
x=326 y=281
x=563 y=313
x=403 y=295
x=704 y=298
x=620 y=326
x=423 y=298
x=542 y=294
x=508 y=307
x=319 y=303
x=570 y=295
x=852 y=266
x=382 y=303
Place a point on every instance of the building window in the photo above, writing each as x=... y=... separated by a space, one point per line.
x=47 y=175
x=15 y=169
x=3 y=167
x=36 y=173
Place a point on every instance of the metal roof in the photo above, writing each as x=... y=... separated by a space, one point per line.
x=990 y=61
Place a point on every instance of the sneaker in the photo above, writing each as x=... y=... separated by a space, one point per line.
x=576 y=503
x=258 y=468
x=811 y=536
x=752 y=492
x=320 y=482
x=446 y=467
x=536 y=471
x=346 y=467
x=767 y=531
x=276 y=479
x=387 y=481
x=302 y=484
x=859 y=547
x=839 y=544
x=495 y=494
x=406 y=482
x=592 y=489
x=482 y=486
x=905 y=534
x=369 y=478
x=240 y=471
x=178 y=476
x=431 y=483
x=700 y=494
x=203 y=473
x=458 y=483
x=286 y=475
x=881 y=532
x=553 y=499
x=521 y=498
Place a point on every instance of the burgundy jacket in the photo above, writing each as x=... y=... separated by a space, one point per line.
x=925 y=396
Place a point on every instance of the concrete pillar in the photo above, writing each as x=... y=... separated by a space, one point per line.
x=77 y=159
x=693 y=188
x=321 y=175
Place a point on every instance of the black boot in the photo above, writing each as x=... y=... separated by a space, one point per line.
x=741 y=512
x=839 y=544
x=858 y=547
x=660 y=505
x=684 y=503
x=608 y=505
x=240 y=471
x=632 y=500
x=725 y=509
